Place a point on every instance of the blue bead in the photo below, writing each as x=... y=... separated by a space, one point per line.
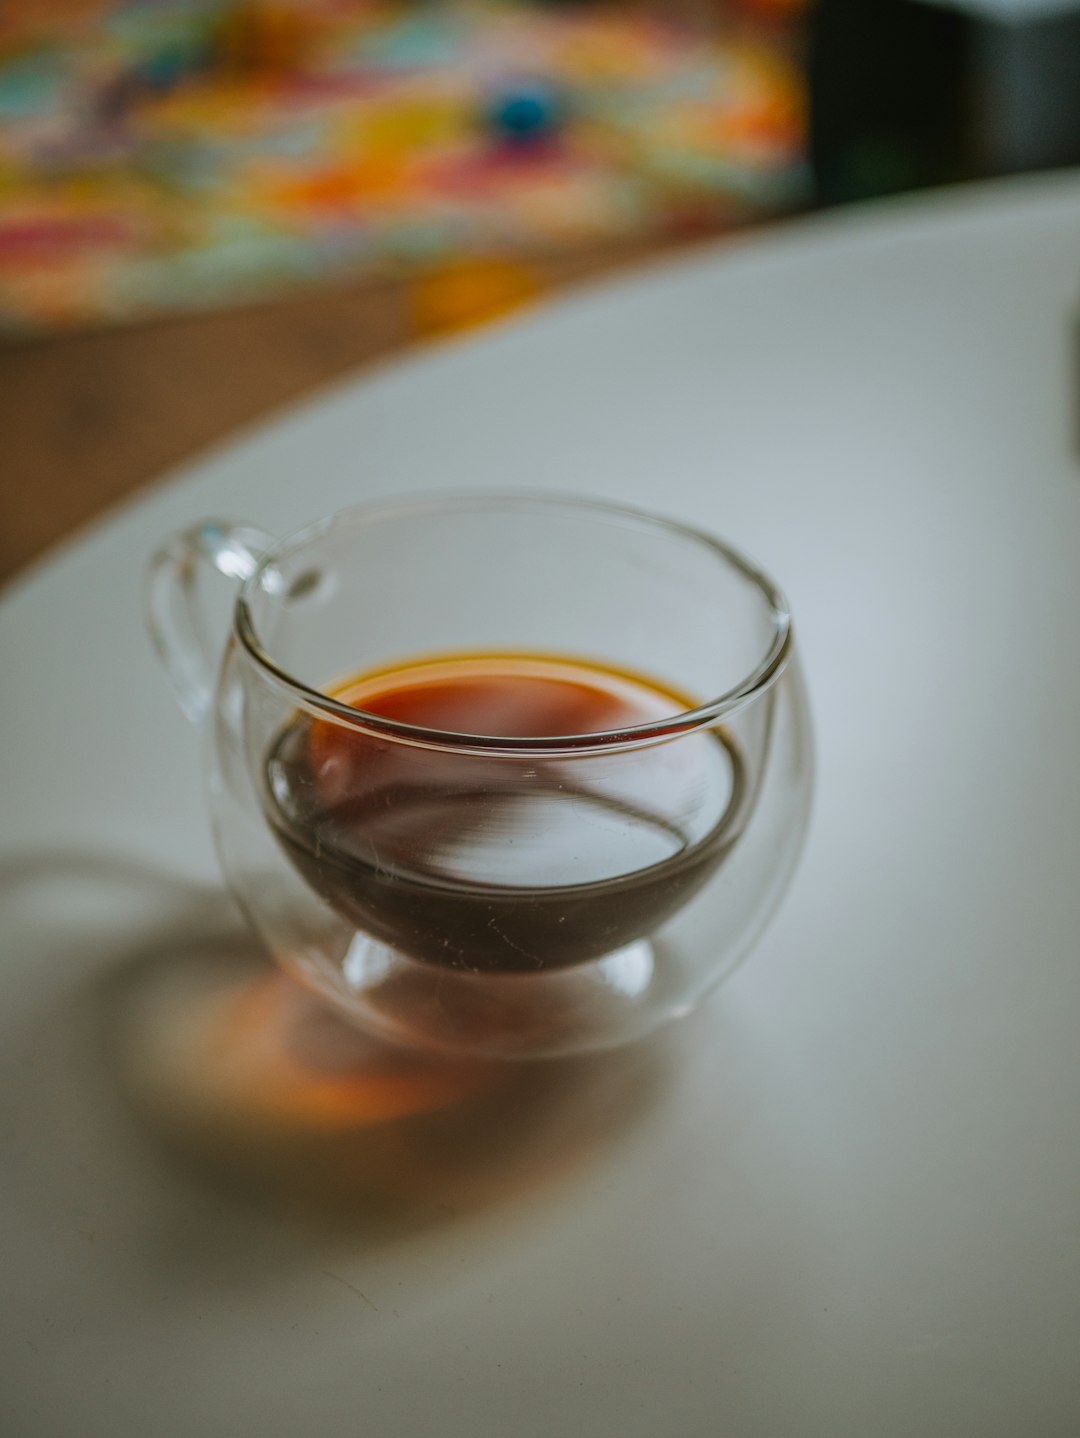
x=525 y=112
x=167 y=67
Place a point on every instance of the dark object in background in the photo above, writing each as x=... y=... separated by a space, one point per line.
x=1027 y=92
x=906 y=94
x=890 y=87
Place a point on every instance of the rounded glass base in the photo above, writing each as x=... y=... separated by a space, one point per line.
x=608 y=1002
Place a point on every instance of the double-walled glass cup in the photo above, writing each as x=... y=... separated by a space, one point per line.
x=448 y=868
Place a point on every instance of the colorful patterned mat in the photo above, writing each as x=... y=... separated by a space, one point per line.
x=158 y=156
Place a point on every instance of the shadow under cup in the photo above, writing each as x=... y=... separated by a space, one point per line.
x=520 y=888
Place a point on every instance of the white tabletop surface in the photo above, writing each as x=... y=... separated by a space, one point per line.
x=853 y=1206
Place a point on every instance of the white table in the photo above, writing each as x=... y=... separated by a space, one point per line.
x=853 y=1207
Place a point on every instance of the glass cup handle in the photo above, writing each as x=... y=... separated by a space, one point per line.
x=176 y=616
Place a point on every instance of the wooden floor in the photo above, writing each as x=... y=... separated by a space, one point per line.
x=86 y=419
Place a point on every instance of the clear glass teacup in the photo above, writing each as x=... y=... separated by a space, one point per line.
x=501 y=774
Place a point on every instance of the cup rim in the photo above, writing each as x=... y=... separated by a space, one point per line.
x=326 y=707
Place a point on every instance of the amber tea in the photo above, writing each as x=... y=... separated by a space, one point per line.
x=495 y=862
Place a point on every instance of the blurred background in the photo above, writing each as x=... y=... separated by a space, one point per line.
x=210 y=207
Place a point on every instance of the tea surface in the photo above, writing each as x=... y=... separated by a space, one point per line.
x=503 y=863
